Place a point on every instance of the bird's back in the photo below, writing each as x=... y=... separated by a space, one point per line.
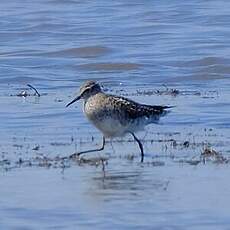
x=133 y=110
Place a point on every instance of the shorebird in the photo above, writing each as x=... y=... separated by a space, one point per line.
x=116 y=116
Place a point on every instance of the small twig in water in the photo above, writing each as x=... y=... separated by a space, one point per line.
x=34 y=90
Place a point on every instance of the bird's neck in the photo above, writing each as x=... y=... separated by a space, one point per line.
x=92 y=96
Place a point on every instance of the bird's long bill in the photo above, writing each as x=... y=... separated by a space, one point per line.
x=75 y=99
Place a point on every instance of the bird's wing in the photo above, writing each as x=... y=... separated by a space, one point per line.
x=134 y=110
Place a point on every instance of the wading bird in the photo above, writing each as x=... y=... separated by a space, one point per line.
x=116 y=116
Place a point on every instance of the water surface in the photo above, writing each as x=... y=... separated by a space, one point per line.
x=173 y=53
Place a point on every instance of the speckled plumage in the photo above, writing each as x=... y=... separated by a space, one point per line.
x=116 y=116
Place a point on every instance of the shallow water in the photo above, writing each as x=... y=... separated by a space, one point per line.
x=173 y=53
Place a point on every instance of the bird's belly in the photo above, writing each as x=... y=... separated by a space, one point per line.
x=110 y=127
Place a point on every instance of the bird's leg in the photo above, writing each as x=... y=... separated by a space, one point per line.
x=140 y=146
x=88 y=151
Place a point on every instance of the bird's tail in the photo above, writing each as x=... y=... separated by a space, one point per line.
x=157 y=112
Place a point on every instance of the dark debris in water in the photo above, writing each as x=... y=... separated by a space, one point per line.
x=167 y=91
x=183 y=144
x=170 y=92
x=169 y=144
x=26 y=92
x=49 y=162
x=59 y=143
x=209 y=154
x=36 y=148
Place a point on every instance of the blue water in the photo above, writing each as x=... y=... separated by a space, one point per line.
x=133 y=48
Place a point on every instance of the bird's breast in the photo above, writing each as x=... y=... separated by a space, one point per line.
x=105 y=119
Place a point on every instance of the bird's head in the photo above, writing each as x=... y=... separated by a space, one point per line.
x=88 y=89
